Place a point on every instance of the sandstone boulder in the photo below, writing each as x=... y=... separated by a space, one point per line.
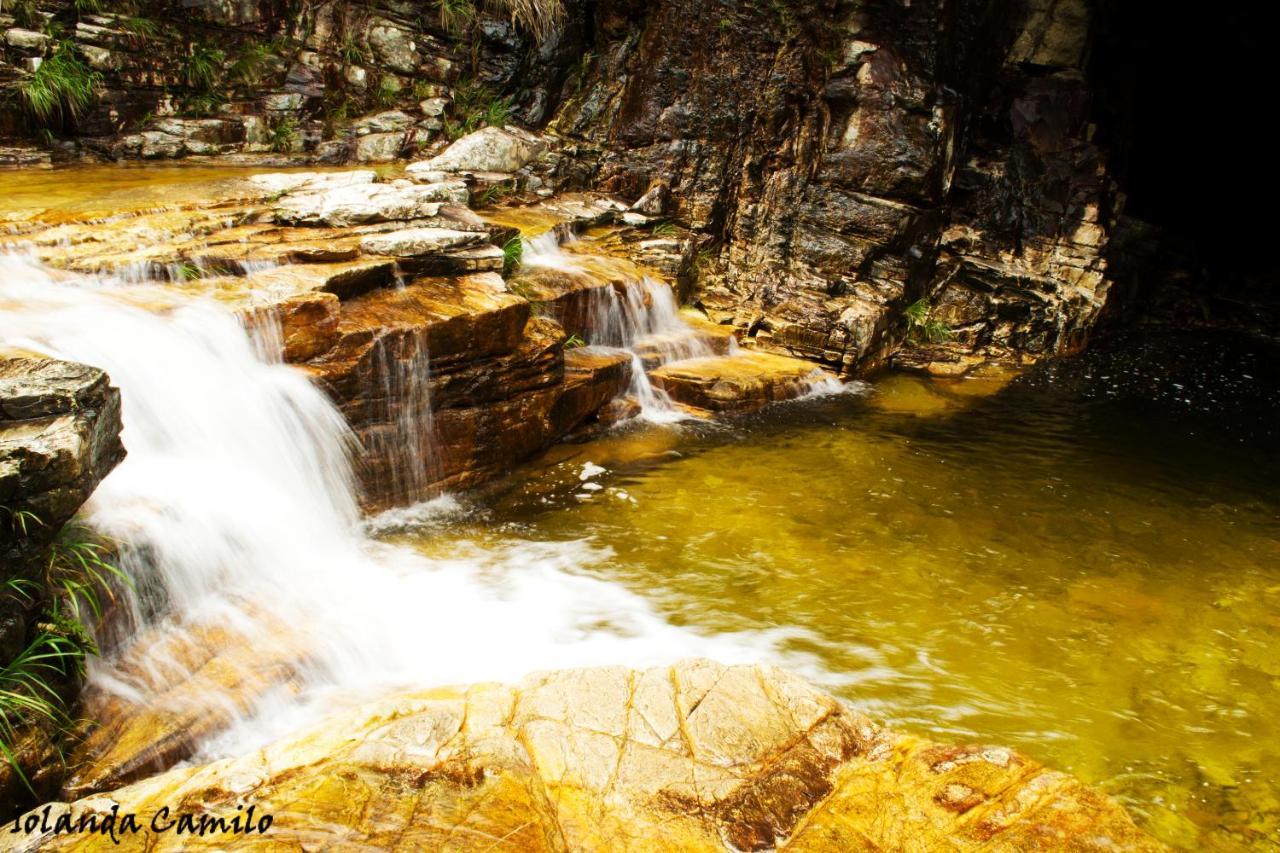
x=738 y=383
x=696 y=756
x=491 y=149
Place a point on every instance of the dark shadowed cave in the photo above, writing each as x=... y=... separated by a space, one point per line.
x=1177 y=97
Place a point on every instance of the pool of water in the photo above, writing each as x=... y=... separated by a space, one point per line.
x=1083 y=563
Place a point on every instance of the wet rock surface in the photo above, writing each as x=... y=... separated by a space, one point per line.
x=696 y=756
x=59 y=437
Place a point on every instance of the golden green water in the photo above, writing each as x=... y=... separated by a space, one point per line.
x=1084 y=565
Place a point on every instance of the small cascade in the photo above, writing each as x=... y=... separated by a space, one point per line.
x=401 y=447
x=638 y=315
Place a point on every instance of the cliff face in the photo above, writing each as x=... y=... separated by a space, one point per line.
x=848 y=160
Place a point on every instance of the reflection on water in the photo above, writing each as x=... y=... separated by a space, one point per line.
x=1084 y=564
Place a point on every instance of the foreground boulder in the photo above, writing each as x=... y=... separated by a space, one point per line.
x=698 y=756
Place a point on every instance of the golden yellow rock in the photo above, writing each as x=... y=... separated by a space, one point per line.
x=737 y=383
x=697 y=756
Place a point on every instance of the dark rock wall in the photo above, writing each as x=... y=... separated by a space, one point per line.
x=847 y=159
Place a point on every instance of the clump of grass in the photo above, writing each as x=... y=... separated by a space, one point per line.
x=573 y=342
x=493 y=193
x=23 y=12
x=352 y=52
x=202 y=103
x=282 y=135
x=203 y=66
x=77 y=580
x=512 y=255
x=456 y=15
x=250 y=64
x=667 y=228
x=142 y=28
x=539 y=17
x=387 y=92
x=922 y=327
x=62 y=88
x=475 y=105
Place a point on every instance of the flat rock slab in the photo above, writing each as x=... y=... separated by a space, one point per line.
x=738 y=383
x=416 y=242
x=280 y=182
x=362 y=203
x=696 y=756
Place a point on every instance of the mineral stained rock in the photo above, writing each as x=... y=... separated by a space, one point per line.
x=696 y=756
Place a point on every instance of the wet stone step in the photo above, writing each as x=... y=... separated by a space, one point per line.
x=738 y=383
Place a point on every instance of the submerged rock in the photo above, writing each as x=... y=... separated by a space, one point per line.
x=696 y=756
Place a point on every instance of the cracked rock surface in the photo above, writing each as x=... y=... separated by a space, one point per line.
x=695 y=756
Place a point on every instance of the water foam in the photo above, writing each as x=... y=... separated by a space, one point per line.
x=236 y=507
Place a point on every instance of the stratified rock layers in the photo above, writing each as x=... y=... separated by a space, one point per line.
x=697 y=756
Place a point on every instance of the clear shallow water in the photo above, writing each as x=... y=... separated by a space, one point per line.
x=1084 y=565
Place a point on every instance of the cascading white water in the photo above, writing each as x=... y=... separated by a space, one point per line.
x=236 y=504
x=641 y=317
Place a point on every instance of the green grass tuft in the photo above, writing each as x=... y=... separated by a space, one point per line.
x=512 y=255
x=62 y=88
x=202 y=67
x=922 y=327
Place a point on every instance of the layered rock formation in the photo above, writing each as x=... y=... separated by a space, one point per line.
x=696 y=756
x=390 y=294
x=59 y=437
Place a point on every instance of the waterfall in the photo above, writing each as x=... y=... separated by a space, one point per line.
x=401 y=444
x=236 y=509
x=638 y=316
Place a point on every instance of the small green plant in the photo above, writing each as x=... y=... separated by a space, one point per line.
x=493 y=193
x=423 y=89
x=62 y=88
x=666 y=228
x=474 y=106
x=203 y=66
x=387 y=92
x=142 y=28
x=512 y=255
x=579 y=71
x=282 y=135
x=573 y=342
x=79 y=575
x=201 y=103
x=87 y=7
x=250 y=65
x=922 y=327
x=725 y=23
x=23 y=11
x=352 y=52
x=498 y=112
x=77 y=579
x=185 y=271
